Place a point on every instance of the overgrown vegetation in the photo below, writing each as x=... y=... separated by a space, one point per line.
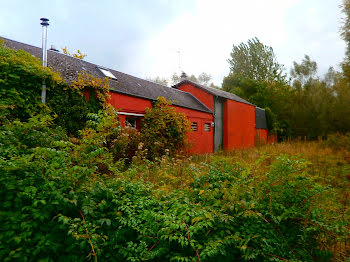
x=21 y=76
x=75 y=186
x=68 y=198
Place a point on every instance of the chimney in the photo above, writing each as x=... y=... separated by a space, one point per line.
x=54 y=48
x=183 y=76
x=45 y=24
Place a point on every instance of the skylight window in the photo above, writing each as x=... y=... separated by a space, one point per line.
x=107 y=73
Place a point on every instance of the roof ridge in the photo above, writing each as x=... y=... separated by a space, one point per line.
x=178 y=90
x=213 y=90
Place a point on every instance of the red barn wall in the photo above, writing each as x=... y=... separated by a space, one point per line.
x=261 y=135
x=201 y=95
x=201 y=141
x=129 y=104
x=239 y=125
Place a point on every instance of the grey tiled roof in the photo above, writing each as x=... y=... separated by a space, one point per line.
x=214 y=91
x=69 y=67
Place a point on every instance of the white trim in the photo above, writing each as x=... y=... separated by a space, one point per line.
x=129 y=114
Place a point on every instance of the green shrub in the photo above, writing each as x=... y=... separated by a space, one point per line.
x=164 y=130
x=104 y=131
x=338 y=141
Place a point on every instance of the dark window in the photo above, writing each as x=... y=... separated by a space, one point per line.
x=194 y=126
x=131 y=121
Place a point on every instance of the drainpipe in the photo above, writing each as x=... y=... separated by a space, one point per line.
x=45 y=24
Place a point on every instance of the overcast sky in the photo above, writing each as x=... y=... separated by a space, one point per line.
x=142 y=38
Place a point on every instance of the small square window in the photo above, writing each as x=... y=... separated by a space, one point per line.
x=207 y=127
x=194 y=126
x=131 y=121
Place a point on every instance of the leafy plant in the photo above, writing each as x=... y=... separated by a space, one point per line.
x=21 y=77
x=164 y=129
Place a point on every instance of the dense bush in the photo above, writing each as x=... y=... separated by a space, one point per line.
x=104 y=131
x=164 y=129
x=338 y=141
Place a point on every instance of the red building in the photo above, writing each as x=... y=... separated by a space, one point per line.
x=237 y=123
x=219 y=119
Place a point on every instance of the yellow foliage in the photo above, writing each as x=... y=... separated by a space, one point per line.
x=100 y=86
x=79 y=54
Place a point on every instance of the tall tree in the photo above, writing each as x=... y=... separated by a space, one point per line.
x=303 y=73
x=255 y=61
x=345 y=33
x=345 y=30
x=256 y=76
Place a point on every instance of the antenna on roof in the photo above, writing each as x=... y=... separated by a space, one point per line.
x=45 y=24
x=178 y=51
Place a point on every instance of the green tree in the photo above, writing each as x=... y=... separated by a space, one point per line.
x=256 y=76
x=345 y=33
x=341 y=87
x=255 y=61
x=304 y=73
x=318 y=106
x=345 y=30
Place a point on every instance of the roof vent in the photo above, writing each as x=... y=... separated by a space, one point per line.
x=54 y=48
x=183 y=76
